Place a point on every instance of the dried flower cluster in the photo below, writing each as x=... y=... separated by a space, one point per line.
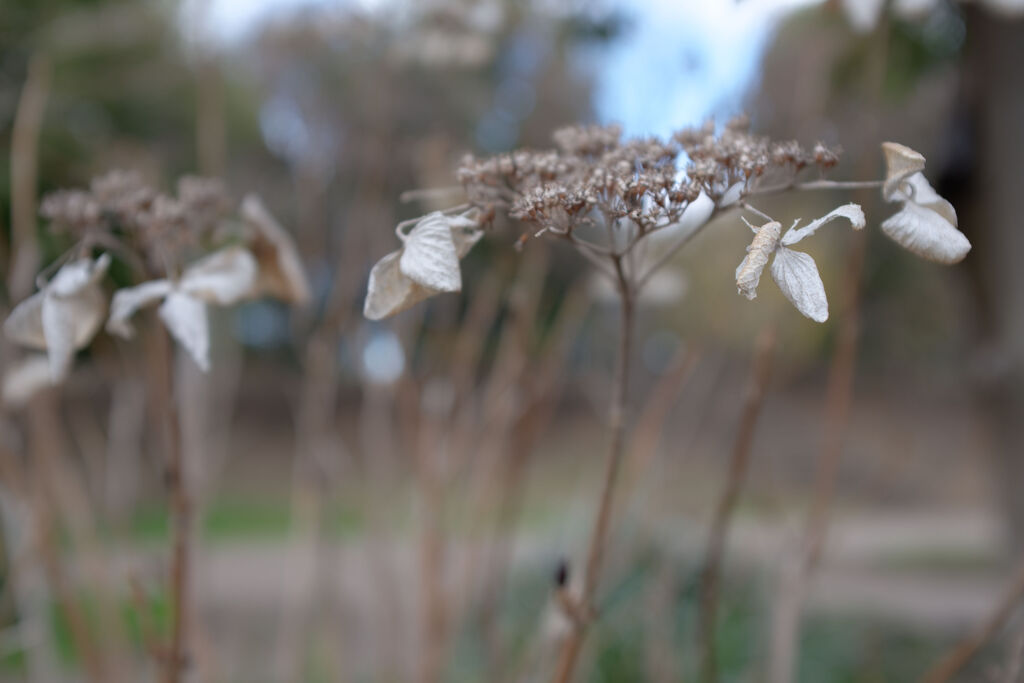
x=185 y=253
x=607 y=196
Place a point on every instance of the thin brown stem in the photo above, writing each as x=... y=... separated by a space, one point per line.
x=964 y=651
x=599 y=536
x=738 y=465
x=178 y=656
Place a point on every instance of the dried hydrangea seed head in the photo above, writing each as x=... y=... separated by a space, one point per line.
x=122 y=192
x=901 y=162
x=74 y=211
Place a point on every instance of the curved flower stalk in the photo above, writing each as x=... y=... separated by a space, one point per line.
x=794 y=272
x=426 y=265
x=223 y=278
x=64 y=315
x=926 y=224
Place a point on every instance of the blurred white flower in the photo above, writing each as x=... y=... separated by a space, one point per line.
x=281 y=274
x=927 y=223
x=224 y=277
x=794 y=272
x=64 y=315
x=427 y=264
x=24 y=379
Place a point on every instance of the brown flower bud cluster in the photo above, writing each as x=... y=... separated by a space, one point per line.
x=160 y=226
x=594 y=175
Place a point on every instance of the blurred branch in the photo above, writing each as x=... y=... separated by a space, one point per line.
x=738 y=465
x=28 y=121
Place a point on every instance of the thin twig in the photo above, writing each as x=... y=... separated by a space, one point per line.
x=617 y=426
x=738 y=465
x=964 y=651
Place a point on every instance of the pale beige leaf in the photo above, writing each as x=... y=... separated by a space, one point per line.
x=731 y=195
x=927 y=233
x=129 y=300
x=797 y=276
x=851 y=212
x=748 y=274
x=390 y=291
x=224 y=277
x=185 y=318
x=430 y=257
x=900 y=163
x=281 y=273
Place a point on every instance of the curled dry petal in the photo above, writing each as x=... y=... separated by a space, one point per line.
x=281 y=273
x=851 y=212
x=926 y=225
x=64 y=316
x=427 y=264
x=926 y=233
x=224 y=277
x=185 y=318
x=901 y=162
x=797 y=276
x=748 y=274
x=128 y=301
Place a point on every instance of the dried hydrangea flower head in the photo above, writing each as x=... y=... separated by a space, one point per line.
x=183 y=252
x=608 y=196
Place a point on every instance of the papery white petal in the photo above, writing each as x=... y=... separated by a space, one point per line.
x=25 y=379
x=900 y=163
x=926 y=233
x=69 y=324
x=732 y=195
x=430 y=257
x=748 y=274
x=25 y=323
x=74 y=276
x=129 y=300
x=863 y=14
x=281 y=273
x=390 y=291
x=797 y=276
x=185 y=318
x=224 y=277
x=917 y=189
x=851 y=212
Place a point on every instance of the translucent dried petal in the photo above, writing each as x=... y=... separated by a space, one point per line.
x=75 y=276
x=224 y=277
x=281 y=273
x=129 y=300
x=918 y=190
x=430 y=257
x=748 y=274
x=185 y=318
x=390 y=291
x=797 y=276
x=927 y=233
x=25 y=379
x=900 y=163
x=851 y=212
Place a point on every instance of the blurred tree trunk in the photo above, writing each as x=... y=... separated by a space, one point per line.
x=994 y=93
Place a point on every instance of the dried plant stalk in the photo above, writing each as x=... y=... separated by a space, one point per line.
x=964 y=651
x=717 y=536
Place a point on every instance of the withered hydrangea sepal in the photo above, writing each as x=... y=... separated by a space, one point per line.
x=794 y=272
